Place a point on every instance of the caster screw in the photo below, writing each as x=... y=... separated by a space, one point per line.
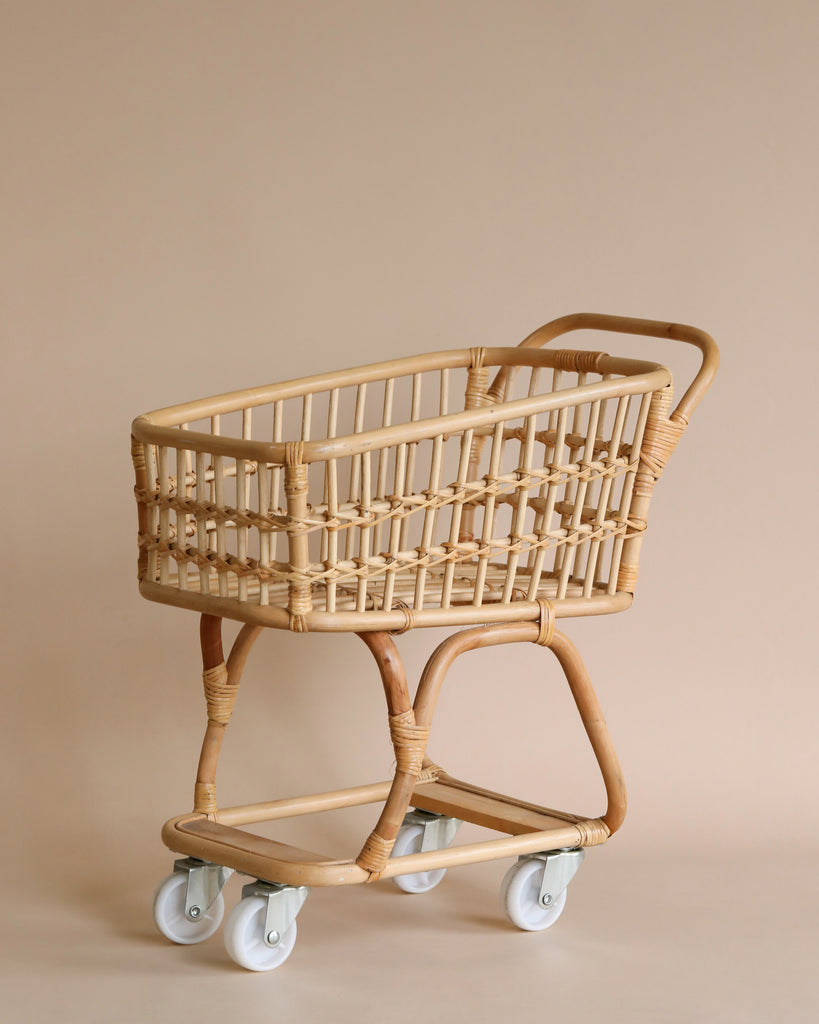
x=195 y=912
x=273 y=938
x=546 y=899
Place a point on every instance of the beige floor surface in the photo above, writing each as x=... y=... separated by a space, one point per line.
x=660 y=939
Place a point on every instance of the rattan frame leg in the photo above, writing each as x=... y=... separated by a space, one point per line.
x=580 y=685
x=409 y=742
x=221 y=682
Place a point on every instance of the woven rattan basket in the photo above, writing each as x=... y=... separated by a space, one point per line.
x=493 y=487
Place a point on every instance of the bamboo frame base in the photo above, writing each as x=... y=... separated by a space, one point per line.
x=529 y=828
x=215 y=835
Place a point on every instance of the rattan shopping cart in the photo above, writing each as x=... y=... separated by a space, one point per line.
x=496 y=489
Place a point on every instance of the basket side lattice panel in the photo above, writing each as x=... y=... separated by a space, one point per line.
x=539 y=506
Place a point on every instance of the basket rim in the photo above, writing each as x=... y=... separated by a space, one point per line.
x=163 y=426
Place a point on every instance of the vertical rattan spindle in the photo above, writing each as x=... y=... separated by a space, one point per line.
x=553 y=482
x=330 y=532
x=627 y=579
x=263 y=493
x=354 y=494
x=659 y=440
x=430 y=517
x=575 y=524
x=181 y=517
x=455 y=531
x=520 y=505
x=364 y=533
x=275 y=503
x=475 y=397
x=399 y=476
x=383 y=457
x=489 y=502
x=295 y=489
x=141 y=493
x=164 y=514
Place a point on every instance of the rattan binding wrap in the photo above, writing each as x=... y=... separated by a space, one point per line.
x=546 y=624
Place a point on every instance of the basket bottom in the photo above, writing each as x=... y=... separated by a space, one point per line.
x=369 y=595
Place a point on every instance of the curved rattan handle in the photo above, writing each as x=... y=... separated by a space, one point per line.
x=631 y=325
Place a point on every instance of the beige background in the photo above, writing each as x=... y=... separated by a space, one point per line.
x=199 y=196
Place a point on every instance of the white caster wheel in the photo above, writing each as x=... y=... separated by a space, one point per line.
x=245 y=939
x=520 y=897
x=409 y=840
x=169 y=912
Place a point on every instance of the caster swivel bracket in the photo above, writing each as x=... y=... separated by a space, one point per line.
x=560 y=867
x=439 y=829
x=205 y=882
x=283 y=905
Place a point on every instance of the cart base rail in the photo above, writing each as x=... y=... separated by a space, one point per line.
x=529 y=827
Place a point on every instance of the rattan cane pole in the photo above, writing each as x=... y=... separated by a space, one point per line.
x=409 y=743
x=221 y=683
x=576 y=675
